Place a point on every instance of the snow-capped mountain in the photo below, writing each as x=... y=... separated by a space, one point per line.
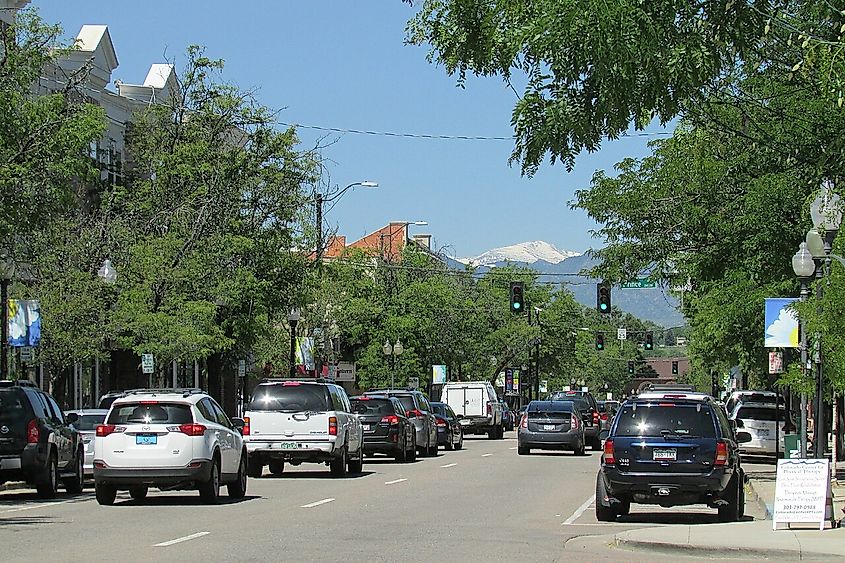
x=526 y=252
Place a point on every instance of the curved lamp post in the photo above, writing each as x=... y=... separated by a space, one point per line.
x=392 y=352
x=321 y=199
x=804 y=267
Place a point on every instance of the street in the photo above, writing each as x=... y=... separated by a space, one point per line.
x=483 y=503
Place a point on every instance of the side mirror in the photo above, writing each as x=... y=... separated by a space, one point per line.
x=238 y=423
x=743 y=437
x=739 y=423
x=71 y=418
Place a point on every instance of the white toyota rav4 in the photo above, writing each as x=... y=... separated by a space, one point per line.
x=170 y=439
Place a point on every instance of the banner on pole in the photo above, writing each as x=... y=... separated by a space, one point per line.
x=781 y=323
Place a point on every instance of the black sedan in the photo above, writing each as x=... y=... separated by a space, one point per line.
x=386 y=427
x=449 y=431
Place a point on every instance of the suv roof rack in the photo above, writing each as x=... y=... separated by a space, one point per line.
x=669 y=387
x=17 y=383
x=184 y=391
x=298 y=379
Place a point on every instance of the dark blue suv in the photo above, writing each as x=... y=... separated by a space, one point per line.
x=670 y=449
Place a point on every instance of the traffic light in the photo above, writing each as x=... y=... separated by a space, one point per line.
x=674 y=367
x=649 y=341
x=603 y=297
x=630 y=368
x=517 y=297
x=599 y=341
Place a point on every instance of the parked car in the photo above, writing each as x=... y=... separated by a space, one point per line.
x=551 y=425
x=108 y=398
x=169 y=439
x=671 y=451
x=519 y=414
x=607 y=410
x=477 y=406
x=386 y=428
x=37 y=442
x=758 y=419
x=86 y=424
x=295 y=421
x=449 y=432
x=508 y=417
x=751 y=396
x=589 y=413
x=419 y=410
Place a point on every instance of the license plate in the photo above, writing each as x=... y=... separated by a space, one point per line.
x=289 y=446
x=664 y=455
x=146 y=439
x=366 y=427
x=763 y=431
x=464 y=421
x=548 y=427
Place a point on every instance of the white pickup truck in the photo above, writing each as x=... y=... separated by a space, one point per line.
x=296 y=421
x=477 y=407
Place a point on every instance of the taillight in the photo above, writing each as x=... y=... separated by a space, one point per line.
x=246 y=426
x=595 y=418
x=332 y=426
x=441 y=422
x=603 y=416
x=721 y=454
x=32 y=432
x=192 y=429
x=609 y=456
x=574 y=421
x=391 y=420
x=489 y=408
x=414 y=413
x=104 y=430
x=524 y=422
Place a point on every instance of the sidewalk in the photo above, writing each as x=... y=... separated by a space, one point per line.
x=753 y=538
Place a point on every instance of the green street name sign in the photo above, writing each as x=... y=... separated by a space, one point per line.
x=639 y=283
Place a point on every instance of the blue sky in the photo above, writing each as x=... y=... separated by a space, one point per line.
x=344 y=65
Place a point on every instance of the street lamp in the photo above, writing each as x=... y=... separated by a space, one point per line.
x=7 y=271
x=107 y=272
x=321 y=199
x=293 y=318
x=804 y=268
x=392 y=352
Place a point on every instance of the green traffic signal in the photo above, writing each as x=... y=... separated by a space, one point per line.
x=517 y=297
x=599 y=341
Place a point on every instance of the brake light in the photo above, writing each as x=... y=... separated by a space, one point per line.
x=441 y=422
x=391 y=420
x=332 y=426
x=414 y=413
x=574 y=421
x=149 y=402
x=721 y=454
x=603 y=416
x=246 y=426
x=104 y=430
x=489 y=408
x=524 y=423
x=192 y=429
x=595 y=417
x=290 y=383
x=609 y=455
x=32 y=432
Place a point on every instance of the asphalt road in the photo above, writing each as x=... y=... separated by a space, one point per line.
x=484 y=503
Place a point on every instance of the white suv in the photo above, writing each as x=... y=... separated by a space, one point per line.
x=297 y=421
x=170 y=439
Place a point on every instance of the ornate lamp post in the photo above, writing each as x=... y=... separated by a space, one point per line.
x=392 y=352
x=293 y=318
x=804 y=268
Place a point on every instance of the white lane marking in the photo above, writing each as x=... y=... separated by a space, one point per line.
x=394 y=481
x=513 y=448
x=318 y=503
x=42 y=505
x=577 y=514
x=180 y=540
x=486 y=455
x=449 y=465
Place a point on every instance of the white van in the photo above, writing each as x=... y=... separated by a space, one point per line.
x=477 y=407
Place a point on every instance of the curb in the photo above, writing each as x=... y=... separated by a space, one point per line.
x=751 y=493
x=667 y=548
x=15 y=486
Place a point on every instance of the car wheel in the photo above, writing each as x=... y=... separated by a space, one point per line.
x=210 y=490
x=255 y=467
x=492 y=434
x=595 y=444
x=604 y=512
x=500 y=432
x=730 y=512
x=356 y=466
x=450 y=443
x=401 y=455
x=73 y=485
x=412 y=453
x=460 y=443
x=237 y=489
x=49 y=482
x=624 y=508
x=523 y=450
x=277 y=466
x=432 y=448
x=139 y=492
x=338 y=464
x=105 y=494
x=580 y=450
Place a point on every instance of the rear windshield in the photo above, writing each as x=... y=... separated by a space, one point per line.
x=290 y=398
x=89 y=422
x=760 y=413
x=439 y=409
x=676 y=420
x=12 y=407
x=407 y=402
x=150 y=413
x=550 y=407
x=372 y=406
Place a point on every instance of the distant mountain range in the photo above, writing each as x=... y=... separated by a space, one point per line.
x=564 y=267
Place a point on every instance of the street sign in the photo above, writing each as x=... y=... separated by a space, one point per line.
x=26 y=354
x=639 y=283
x=621 y=334
x=802 y=491
x=413 y=382
x=147 y=363
x=241 y=368
x=544 y=386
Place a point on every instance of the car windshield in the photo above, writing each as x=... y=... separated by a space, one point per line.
x=288 y=397
x=656 y=420
x=89 y=422
x=439 y=409
x=372 y=406
x=761 y=413
x=143 y=412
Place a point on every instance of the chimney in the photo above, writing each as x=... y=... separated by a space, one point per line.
x=423 y=241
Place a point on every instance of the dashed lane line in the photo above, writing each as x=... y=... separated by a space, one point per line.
x=513 y=448
x=448 y=465
x=39 y=505
x=180 y=540
x=318 y=503
x=486 y=455
x=581 y=509
x=394 y=481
